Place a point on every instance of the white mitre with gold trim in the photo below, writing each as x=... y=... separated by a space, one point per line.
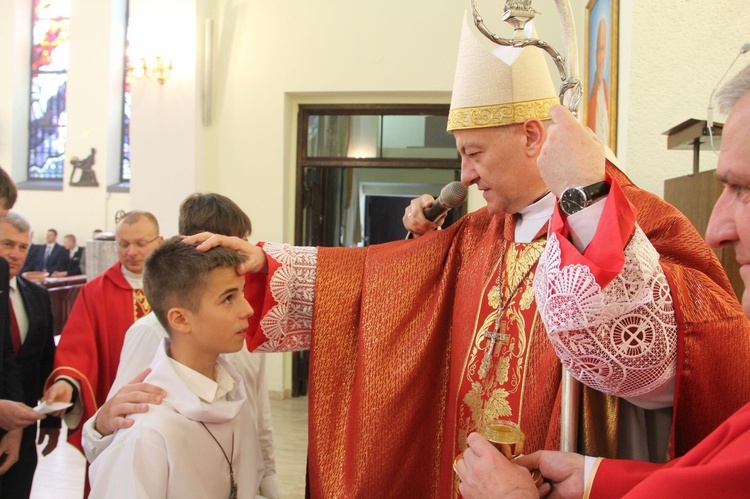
x=498 y=87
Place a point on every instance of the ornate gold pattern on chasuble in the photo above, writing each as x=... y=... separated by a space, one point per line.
x=141 y=307
x=498 y=395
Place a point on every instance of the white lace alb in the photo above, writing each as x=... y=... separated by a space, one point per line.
x=288 y=324
x=620 y=340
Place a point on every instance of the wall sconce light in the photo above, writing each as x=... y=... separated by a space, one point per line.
x=159 y=69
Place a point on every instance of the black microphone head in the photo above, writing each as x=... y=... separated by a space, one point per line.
x=454 y=194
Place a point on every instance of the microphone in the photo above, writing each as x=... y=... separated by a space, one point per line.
x=709 y=112
x=451 y=196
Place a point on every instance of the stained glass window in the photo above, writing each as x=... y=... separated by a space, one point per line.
x=49 y=76
x=125 y=163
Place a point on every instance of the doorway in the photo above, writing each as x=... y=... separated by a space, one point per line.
x=358 y=167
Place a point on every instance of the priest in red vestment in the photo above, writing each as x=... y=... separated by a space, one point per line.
x=715 y=466
x=87 y=356
x=416 y=344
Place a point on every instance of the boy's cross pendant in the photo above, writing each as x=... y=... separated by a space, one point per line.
x=232 y=486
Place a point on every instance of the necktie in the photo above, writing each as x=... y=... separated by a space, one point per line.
x=47 y=253
x=15 y=333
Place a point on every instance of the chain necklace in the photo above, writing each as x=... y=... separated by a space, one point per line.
x=497 y=332
x=232 y=483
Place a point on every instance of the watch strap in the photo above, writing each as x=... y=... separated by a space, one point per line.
x=596 y=190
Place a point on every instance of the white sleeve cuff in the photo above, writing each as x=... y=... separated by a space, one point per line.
x=73 y=417
x=269 y=487
x=93 y=442
x=583 y=224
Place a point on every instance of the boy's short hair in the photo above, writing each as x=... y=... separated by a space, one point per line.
x=211 y=212
x=8 y=191
x=175 y=274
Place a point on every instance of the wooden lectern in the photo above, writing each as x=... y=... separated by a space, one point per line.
x=695 y=194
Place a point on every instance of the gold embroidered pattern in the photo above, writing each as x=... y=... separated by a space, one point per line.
x=499 y=114
x=497 y=395
x=141 y=307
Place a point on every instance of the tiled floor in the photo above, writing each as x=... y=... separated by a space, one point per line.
x=60 y=475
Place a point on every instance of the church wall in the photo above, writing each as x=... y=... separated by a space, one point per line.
x=676 y=52
x=93 y=106
x=272 y=56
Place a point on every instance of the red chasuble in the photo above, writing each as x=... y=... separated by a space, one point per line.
x=716 y=467
x=398 y=342
x=91 y=341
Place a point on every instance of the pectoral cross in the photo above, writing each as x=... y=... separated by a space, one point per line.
x=493 y=335
x=232 y=485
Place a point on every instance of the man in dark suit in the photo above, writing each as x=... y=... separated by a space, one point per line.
x=75 y=262
x=14 y=414
x=50 y=257
x=32 y=336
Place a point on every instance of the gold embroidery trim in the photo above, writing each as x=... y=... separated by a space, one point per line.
x=84 y=381
x=499 y=114
x=590 y=483
x=496 y=406
x=141 y=308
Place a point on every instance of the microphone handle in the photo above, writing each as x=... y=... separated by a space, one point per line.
x=436 y=210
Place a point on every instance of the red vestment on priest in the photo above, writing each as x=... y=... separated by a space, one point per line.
x=91 y=341
x=717 y=467
x=398 y=329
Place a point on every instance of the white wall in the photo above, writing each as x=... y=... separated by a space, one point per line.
x=273 y=55
x=15 y=55
x=167 y=138
x=675 y=53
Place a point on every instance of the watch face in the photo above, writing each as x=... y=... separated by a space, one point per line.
x=572 y=201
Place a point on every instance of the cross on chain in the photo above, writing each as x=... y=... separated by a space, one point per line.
x=232 y=485
x=493 y=336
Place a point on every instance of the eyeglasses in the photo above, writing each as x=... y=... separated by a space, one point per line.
x=125 y=245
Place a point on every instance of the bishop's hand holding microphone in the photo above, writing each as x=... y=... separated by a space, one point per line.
x=425 y=214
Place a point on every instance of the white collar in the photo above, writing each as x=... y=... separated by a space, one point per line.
x=135 y=280
x=185 y=401
x=542 y=208
x=532 y=218
x=207 y=389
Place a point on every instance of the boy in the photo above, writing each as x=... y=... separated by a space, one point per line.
x=199 y=212
x=201 y=441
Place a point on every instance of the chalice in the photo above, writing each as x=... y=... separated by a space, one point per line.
x=508 y=438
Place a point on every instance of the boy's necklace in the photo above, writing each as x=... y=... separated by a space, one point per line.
x=232 y=483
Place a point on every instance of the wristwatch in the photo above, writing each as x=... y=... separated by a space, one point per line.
x=574 y=199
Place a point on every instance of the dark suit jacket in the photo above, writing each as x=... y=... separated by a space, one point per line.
x=57 y=261
x=37 y=353
x=74 y=264
x=34 y=360
x=10 y=381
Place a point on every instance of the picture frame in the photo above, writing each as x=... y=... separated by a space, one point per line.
x=600 y=69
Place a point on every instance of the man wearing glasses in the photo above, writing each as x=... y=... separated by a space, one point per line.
x=87 y=356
